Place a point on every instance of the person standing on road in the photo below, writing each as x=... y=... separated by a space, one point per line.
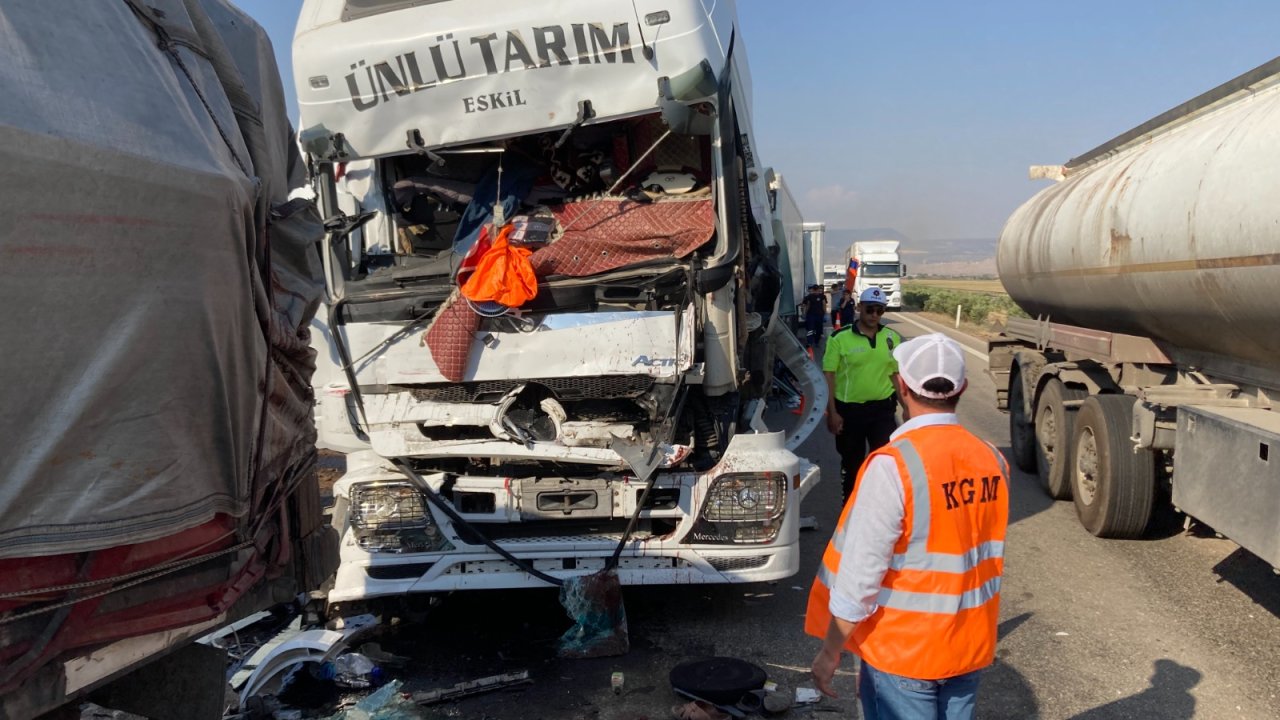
x=843 y=310
x=814 y=309
x=910 y=581
x=858 y=364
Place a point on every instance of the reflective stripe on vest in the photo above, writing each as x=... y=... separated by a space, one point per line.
x=938 y=602
x=917 y=556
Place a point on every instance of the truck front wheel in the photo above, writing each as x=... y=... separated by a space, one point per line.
x=1054 y=421
x=1113 y=485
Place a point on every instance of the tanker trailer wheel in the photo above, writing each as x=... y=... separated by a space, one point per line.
x=1022 y=438
x=1054 y=421
x=1114 y=485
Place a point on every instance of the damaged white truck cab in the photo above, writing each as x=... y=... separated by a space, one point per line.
x=611 y=142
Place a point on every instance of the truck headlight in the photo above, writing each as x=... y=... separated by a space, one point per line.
x=742 y=508
x=393 y=517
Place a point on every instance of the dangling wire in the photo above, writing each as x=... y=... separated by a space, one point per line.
x=499 y=215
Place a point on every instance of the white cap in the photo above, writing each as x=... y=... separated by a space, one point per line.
x=924 y=358
x=873 y=295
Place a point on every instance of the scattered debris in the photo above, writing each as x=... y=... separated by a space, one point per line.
x=472 y=687
x=267 y=669
x=386 y=703
x=616 y=681
x=698 y=710
x=352 y=670
x=91 y=711
x=809 y=522
x=594 y=603
x=374 y=652
x=752 y=702
x=778 y=702
x=807 y=696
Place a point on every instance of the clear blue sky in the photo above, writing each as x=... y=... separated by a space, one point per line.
x=923 y=116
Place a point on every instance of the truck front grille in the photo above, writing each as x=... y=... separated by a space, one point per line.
x=728 y=564
x=609 y=387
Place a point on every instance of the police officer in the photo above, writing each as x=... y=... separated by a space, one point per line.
x=910 y=581
x=814 y=308
x=858 y=364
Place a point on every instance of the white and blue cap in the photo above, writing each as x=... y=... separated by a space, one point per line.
x=929 y=357
x=873 y=295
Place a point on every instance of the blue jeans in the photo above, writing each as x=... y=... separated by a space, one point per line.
x=893 y=697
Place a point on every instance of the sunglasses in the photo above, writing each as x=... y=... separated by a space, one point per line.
x=873 y=309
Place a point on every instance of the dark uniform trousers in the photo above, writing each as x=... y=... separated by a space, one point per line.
x=867 y=426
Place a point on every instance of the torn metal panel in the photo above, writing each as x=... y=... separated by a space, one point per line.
x=812 y=383
x=720 y=343
x=409 y=442
x=564 y=345
x=396 y=408
x=596 y=434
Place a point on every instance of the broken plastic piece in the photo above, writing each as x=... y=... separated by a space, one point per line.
x=807 y=696
x=354 y=670
x=276 y=660
x=472 y=687
x=387 y=703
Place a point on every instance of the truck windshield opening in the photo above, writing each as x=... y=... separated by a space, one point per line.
x=873 y=269
x=431 y=209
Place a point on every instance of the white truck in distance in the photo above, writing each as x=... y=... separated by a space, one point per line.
x=487 y=441
x=878 y=266
x=832 y=275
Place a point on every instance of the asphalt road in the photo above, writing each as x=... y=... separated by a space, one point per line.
x=1179 y=625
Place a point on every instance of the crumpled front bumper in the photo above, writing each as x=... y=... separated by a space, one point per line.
x=654 y=560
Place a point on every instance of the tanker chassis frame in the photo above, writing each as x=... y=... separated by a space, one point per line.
x=1125 y=427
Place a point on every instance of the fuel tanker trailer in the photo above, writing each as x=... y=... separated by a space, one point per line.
x=1151 y=270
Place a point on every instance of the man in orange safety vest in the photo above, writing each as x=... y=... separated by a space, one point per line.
x=910 y=582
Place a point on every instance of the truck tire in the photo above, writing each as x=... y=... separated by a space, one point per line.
x=1022 y=437
x=1114 y=485
x=1054 y=422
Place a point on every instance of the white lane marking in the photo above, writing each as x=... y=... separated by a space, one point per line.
x=903 y=316
x=798 y=669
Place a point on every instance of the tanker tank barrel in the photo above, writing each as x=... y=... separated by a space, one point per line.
x=1165 y=232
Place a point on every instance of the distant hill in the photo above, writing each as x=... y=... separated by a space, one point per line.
x=945 y=257
x=974 y=269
